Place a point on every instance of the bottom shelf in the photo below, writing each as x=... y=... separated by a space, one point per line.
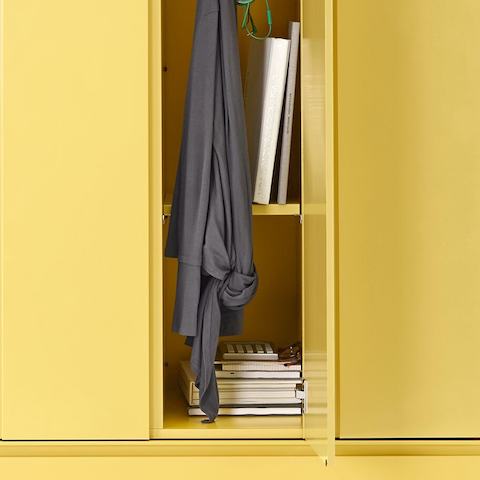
x=177 y=424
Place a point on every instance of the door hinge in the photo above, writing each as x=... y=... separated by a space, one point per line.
x=303 y=395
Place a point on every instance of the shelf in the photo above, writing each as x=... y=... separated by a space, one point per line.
x=177 y=424
x=271 y=209
x=156 y=448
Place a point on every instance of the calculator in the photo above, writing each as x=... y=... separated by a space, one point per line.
x=248 y=350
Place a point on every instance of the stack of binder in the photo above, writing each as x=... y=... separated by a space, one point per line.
x=249 y=386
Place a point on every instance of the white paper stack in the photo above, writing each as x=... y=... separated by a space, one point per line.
x=248 y=388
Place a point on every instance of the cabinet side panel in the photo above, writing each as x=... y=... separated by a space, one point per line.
x=409 y=218
x=156 y=211
x=2 y=143
x=75 y=219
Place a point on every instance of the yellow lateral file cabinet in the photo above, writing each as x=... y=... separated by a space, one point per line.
x=92 y=106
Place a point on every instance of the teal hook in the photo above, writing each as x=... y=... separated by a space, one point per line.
x=249 y=25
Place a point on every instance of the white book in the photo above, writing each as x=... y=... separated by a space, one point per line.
x=258 y=383
x=257 y=374
x=275 y=366
x=252 y=394
x=294 y=35
x=195 y=400
x=239 y=388
x=241 y=384
x=250 y=411
x=224 y=402
x=240 y=397
x=264 y=95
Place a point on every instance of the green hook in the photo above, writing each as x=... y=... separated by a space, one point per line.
x=249 y=25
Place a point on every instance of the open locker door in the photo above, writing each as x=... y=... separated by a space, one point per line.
x=318 y=224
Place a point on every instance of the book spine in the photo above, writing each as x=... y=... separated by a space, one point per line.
x=265 y=368
x=251 y=411
x=253 y=401
x=275 y=88
x=256 y=374
x=294 y=31
x=250 y=356
x=259 y=395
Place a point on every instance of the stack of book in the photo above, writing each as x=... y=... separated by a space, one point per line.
x=249 y=385
x=269 y=103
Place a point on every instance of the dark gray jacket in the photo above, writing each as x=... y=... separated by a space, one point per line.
x=210 y=228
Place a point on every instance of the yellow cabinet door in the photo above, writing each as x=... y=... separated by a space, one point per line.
x=318 y=226
x=74 y=219
x=408 y=97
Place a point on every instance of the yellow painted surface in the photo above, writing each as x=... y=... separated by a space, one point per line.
x=246 y=447
x=409 y=218
x=90 y=338
x=270 y=209
x=346 y=468
x=318 y=362
x=214 y=447
x=274 y=314
x=156 y=209
x=179 y=425
x=168 y=467
x=74 y=215
x=414 y=447
x=159 y=448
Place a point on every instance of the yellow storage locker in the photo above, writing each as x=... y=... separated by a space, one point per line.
x=92 y=105
x=287 y=238
x=91 y=113
x=74 y=220
x=408 y=110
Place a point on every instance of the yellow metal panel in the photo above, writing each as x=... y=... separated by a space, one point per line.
x=415 y=447
x=156 y=226
x=159 y=448
x=75 y=219
x=177 y=424
x=317 y=209
x=117 y=468
x=375 y=468
x=270 y=209
x=237 y=468
x=219 y=447
x=409 y=217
